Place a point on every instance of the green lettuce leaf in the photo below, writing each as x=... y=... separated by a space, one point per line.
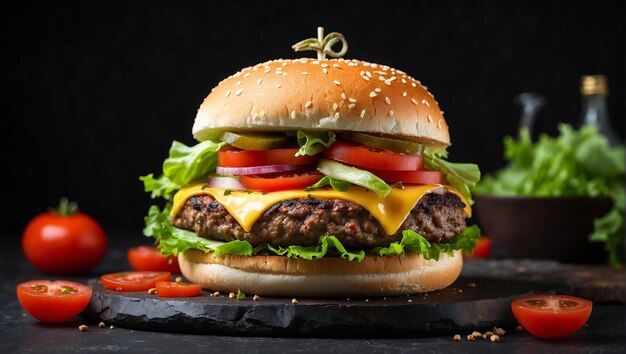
x=339 y=171
x=314 y=142
x=183 y=166
x=172 y=240
x=413 y=242
x=576 y=163
x=161 y=187
x=329 y=181
x=328 y=245
x=460 y=175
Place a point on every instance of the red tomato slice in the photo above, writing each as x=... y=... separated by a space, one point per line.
x=53 y=301
x=247 y=158
x=551 y=316
x=410 y=177
x=280 y=181
x=174 y=289
x=133 y=281
x=482 y=249
x=369 y=158
x=148 y=258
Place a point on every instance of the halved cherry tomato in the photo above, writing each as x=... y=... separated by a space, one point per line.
x=410 y=177
x=245 y=158
x=281 y=181
x=133 y=281
x=370 y=158
x=53 y=300
x=551 y=316
x=482 y=249
x=149 y=258
x=174 y=289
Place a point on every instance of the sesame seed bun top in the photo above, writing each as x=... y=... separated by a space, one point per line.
x=331 y=94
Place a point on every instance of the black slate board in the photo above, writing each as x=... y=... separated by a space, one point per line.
x=469 y=304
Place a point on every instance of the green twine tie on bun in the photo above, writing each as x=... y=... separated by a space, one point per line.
x=323 y=45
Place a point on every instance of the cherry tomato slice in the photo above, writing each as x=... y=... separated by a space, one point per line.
x=133 y=281
x=281 y=181
x=410 y=177
x=482 y=249
x=247 y=158
x=148 y=258
x=551 y=316
x=53 y=300
x=174 y=289
x=370 y=158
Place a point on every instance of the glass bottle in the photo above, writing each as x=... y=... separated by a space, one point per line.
x=594 y=110
x=531 y=104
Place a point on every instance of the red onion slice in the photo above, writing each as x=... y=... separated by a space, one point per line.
x=226 y=183
x=256 y=170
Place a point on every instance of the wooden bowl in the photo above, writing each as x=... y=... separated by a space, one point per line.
x=554 y=228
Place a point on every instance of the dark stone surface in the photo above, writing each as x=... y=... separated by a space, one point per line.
x=469 y=304
x=19 y=333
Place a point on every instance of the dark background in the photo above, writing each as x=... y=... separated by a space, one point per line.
x=93 y=92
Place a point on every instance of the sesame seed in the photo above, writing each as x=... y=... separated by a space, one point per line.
x=369 y=74
x=413 y=100
x=352 y=64
x=293 y=114
x=413 y=84
x=334 y=106
x=381 y=78
x=393 y=78
x=430 y=119
x=362 y=73
x=246 y=74
x=304 y=73
x=366 y=78
x=391 y=113
x=373 y=94
x=259 y=81
x=351 y=100
x=237 y=74
x=227 y=93
x=284 y=74
x=238 y=83
x=380 y=72
x=387 y=100
x=336 y=82
x=362 y=113
x=403 y=81
x=267 y=70
x=238 y=92
x=256 y=298
x=388 y=82
x=337 y=115
x=343 y=96
x=307 y=104
x=404 y=94
x=284 y=64
x=324 y=65
x=325 y=71
x=377 y=89
x=294 y=301
x=277 y=85
x=351 y=105
x=424 y=102
x=366 y=64
x=315 y=62
x=374 y=65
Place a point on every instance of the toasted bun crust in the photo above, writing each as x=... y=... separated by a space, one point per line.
x=334 y=94
x=332 y=276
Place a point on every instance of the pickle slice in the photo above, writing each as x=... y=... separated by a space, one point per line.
x=256 y=141
x=378 y=142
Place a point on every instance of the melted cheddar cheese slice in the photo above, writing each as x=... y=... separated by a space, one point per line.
x=246 y=207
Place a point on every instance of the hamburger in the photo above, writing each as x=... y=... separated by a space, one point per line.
x=316 y=177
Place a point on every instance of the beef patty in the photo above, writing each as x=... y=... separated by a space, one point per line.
x=437 y=217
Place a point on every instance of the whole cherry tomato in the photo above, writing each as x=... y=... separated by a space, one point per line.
x=64 y=241
x=148 y=258
x=482 y=249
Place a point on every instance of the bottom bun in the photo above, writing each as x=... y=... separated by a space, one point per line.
x=326 y=277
